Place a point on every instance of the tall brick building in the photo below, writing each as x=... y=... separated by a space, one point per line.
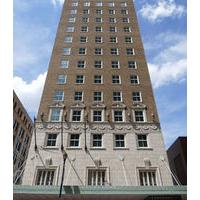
x=98 y=104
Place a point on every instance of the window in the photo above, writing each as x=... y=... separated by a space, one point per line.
x=85 y=19
x=97 y=115
x=111 y=12
x=84 y=29
x=99 y=4
x=119 y=140
x=139 y=115
x=81 y=64
x=76 y=115
x=66 y=51
x=98 y=29
x=124 y=12
x=111 y=4
x=125 y=20
x=86 y=4
x=112 y=20
x=142 y=140
x=61 y=79
x=73 y=12
x=70 y=29
x=115 y=64
x=26 y=140
x=83 y=39
x=147 y=177
x=82 y=51
x=71 y=19
x=116 y=79
x=15 y=125
x=58 y=96
x=86 y=11
x=98 y=20
x=78 y=96
x=130 y=51
x=134 y=79
x=51 y=139
x=98 y=64
x=96 y=177
x=98 y=51
x=128 y=39
x=96 y=140
x=74 y=4
x=99 y=12
x=118 y=116
x=123 y=4
x=45 y=177
x=79 y=79
x=98 y=39
x=114 y=51
x=132 y=64
x=97 y=96
x=98 y=79
x=74 y=140
x=68 y=39
x=21 y=132
x=18 y=145
x=113 y=29
x=117 y=96
x=127 y=29
x=64 y=63
x=136 y=96
x=113 y=39
x=55 y=114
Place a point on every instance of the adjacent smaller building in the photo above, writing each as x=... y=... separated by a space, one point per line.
x=177 y=155
x=22 y=133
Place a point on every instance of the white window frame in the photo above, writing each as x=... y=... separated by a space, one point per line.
x=118 y=64
x=123 y=115
x=143 y=141
x=116 y=79
x=111 y=4
x=76 y=95
x=51 y=113
x=82 y=51
x=135 y=64
x=116 y=51
x=140 y=96
x=115 y=39
x=66 y=51
x=85 y=39
x=112 y=20
x=81 y=115
x=128 y=39
x=61 y=77
x=109 y=11
x=135 y=80
x=58 y=95
x=98 y=39
x=154 y=170
x=123 y=4
x=83 y=30
x=124 y=13
x=100 y=28
x=96 y=140
x=99 y=13
x=86 y=4
x=95 y=64
x=120 y=92
x=74 y=4
x=73 y=12
x=95 y=178
x=68 y=39
x=102 y=115
x=86 y=13
x=130 y=53
x=98 y=19
x=119 y=140
x=51 y=140
x=74 y=140
x=97 y=96
x=125 y=20
x=81 y=79
x=64 y=63
x=144 y=115
x=81 y=65
x=97 y=52
x=85 y=19
x=99 y=4
x=95 y=79
x=71 y=19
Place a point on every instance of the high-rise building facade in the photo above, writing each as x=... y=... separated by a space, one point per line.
x=98 y=104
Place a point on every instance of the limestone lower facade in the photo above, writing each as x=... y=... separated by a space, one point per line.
x=103 y=154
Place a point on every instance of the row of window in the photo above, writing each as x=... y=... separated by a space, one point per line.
x=98 y=39
x=112 y=29
x=98 y=115
x=99 y=4
x=98 y=51
x=97 y=140
x=98 y=64
x=98 y=79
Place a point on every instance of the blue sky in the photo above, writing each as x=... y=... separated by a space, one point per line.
x=163 y=29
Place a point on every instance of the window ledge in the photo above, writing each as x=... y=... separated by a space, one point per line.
x=73 y=148
x=144 y=148
x=51 y=147
x=120 y=148
x=97 y=148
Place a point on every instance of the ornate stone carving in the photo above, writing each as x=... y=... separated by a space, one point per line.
x=98 y=105
x=145 y=127
x=118 y=105
x=78 y=105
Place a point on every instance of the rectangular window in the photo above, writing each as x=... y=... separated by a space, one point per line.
x=112 y=20
x=139 y=115
x=68 y=39
x=21 y=132
x=71 y=19
x=98 y=29
x=15 y=125
x=51 y=139
x=86 y=4
x=55 y=114
x=98 y=39
x=66 y=51
x=97 y=115
x=79 y=79
x=99 y=4
x=114 y=51
x=118 y=116
x=83 y=39
x=70 y=29
x=115 y=64
x=74 y=4
x=113 y=29
x=76 y=115
x=116 y=79
x=136 y=96
x=147 y=177
x=64 y=63
x=100 y=12
x=73 y=12
x=81 y=64
x=98 y=51
x=128 y=39
x=61 y=79
x=98 y=79
x=78 y=96
x=111 y=12
x=86 y=11
x=124 y=12
x=113 y=39
x=96 y=140
x=18 y=145
x=45 y=177
x=134 y=79
x=82 y=51
x=123 y=4
x=97 y=96
x=98 y=20
x=142 y=140
x=117 y=96
x=130 y=51
x=125 y=20
x=85 y=19
x=127 y=29
x=111 y=4
x=58 y=96
x=96 y=177
x=98 y=64
x=119 y=140
x=84 y=29
x=132 y=64
x=74 y=140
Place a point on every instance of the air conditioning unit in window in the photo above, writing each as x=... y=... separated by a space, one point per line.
x=48 y=161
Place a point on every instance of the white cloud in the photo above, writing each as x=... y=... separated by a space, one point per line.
x=55 y=2
x=162 y=9
x=30 y=93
